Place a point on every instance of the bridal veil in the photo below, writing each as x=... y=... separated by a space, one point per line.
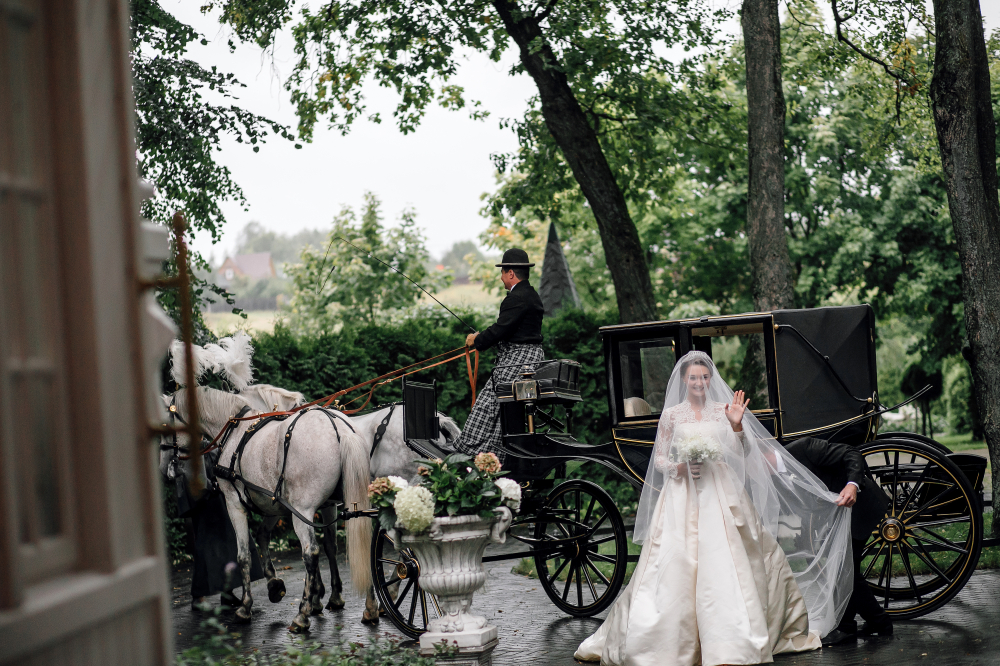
x=793 y=505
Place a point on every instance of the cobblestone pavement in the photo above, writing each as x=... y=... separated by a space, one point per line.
x=533 y=631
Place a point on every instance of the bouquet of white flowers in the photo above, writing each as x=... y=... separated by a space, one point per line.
x=698 y=444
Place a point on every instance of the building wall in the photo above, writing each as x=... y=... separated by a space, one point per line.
x=106 y=601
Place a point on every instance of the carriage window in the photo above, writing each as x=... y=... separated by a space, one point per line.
x=731 y=349
x=645 y=370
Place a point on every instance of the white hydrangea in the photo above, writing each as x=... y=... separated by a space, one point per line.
x=511 y=492
x=398 y=482
x=414 y=507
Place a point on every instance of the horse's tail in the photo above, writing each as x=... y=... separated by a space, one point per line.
x=354 y=474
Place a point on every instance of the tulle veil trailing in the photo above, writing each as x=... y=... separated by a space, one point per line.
x=794 y=506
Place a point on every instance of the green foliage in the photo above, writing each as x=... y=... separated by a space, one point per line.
x=178 y=132
x=958 y=395
x=178 y=129
x=323 y=363
x=344 y=285
x=459 y=256
x=217 y=647
x=175 y=530
x=460 y=487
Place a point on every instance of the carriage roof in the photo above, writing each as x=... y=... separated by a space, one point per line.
x=820 y=363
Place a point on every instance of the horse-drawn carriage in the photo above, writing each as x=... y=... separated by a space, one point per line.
x=819 y=379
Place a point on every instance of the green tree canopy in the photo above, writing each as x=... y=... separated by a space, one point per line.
x=338 y=284
x=179 y=130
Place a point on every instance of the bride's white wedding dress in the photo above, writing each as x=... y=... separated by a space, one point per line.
x=712 y=585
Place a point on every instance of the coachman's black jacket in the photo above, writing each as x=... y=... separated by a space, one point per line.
x=519 y=321
x=835 y=464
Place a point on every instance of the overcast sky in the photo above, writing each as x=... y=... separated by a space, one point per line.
x=441 y=170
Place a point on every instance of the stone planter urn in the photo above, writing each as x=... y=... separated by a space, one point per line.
x=450 y=553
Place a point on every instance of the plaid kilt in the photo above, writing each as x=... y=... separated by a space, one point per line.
x=482 y=429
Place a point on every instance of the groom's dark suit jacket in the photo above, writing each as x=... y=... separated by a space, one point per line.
x=835 y=464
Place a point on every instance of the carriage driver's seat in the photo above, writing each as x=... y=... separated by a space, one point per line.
x=637 y=407
x=420 y=419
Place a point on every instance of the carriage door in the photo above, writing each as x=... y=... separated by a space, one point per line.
x=743 y=351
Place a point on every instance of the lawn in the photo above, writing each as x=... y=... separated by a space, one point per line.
x=960 y=442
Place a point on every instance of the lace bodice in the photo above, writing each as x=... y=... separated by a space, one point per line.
x=683 y=413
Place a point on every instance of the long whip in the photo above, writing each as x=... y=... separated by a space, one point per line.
x=394 y=269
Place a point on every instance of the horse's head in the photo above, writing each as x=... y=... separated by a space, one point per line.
x=214 y=409
x=266 y=398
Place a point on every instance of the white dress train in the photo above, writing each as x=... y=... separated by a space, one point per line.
x=712 y=586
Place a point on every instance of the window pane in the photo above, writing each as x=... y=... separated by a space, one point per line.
x=34 y=279
x=645 y=369
x=20 y=106
x=40 y=492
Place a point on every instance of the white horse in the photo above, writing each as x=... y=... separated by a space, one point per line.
x=325 y=451
x=391 y=457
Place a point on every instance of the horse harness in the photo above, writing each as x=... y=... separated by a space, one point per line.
x=176 y=416
x=380 y=432
x=232 y=472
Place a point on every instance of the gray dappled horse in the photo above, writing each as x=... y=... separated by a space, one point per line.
x=324 y=453
x=391 y=457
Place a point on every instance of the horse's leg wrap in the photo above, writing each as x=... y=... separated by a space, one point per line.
x=275 y=586
x=371 y=614
x=243 y=612
x=336 y=601
x=310 y=558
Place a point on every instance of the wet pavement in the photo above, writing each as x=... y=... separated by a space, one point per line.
x=533 y=631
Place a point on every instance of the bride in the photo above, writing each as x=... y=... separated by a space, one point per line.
x=745 y=553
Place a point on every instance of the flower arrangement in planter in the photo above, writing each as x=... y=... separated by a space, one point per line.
x=456 y=486
x=447 y=519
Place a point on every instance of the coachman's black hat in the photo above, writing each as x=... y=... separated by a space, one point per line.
x=515 y=258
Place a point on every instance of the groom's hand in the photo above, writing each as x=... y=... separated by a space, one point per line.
x=848 y=496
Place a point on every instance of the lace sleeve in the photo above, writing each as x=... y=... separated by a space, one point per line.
x=661 y=460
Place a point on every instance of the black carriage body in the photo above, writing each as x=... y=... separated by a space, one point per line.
x=821 y=381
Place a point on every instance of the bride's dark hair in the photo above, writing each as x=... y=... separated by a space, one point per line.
x=690 y=359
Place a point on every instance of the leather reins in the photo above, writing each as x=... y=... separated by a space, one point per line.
x=471 y=367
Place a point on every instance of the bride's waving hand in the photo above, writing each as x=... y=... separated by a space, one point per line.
x=736 y=409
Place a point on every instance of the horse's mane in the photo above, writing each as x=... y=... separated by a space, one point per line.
x=214 y=405
x=266 y=397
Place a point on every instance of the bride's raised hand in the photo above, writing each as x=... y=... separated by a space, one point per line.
x=735 y=410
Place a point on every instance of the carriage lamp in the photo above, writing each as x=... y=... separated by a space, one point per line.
x=526 y=391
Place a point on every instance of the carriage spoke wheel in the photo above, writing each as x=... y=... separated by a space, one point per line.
x=583 y=548
x=396 y=577
x=928 y=543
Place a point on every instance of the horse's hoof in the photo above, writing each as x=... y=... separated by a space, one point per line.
x=227 y=598
x=243 y=615
x=368 y=618
x=317 y=608
x=335 y=603
x=275 y=590
x=299 y=626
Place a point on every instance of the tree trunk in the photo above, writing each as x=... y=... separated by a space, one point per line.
x=963 y=116
x=577 y=139
x=770 y=268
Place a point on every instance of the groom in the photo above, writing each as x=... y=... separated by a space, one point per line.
x=843 y=470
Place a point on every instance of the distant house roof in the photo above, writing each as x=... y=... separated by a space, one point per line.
x=254 y=266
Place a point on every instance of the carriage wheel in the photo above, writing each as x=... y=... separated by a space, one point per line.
x=583 y=574
x=396 y=577
x=927 y=545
